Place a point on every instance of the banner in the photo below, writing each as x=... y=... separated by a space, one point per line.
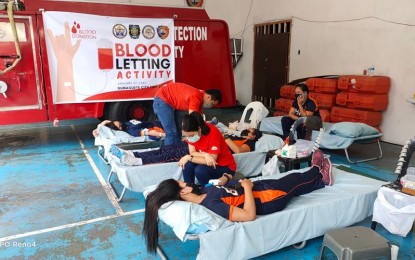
x=99 y=58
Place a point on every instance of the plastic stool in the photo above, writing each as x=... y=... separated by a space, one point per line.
x=356 y=243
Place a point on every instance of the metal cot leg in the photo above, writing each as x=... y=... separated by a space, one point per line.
x=161 y=253
x=101 y=154
x=365 y=160
x=118 y=198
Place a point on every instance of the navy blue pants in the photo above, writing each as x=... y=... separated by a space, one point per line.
x=294 y=184
x=203 y=173
x=166 y=153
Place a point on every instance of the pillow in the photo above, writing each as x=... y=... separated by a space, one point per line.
x=368 y=130
x=188 y=218
x=352 y=130
x=268 y=142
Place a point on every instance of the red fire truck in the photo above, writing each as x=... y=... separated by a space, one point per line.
x=25 y=80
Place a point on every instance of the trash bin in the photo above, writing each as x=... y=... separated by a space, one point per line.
x=394 y=210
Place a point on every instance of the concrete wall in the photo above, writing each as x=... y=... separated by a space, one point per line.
x=355 y=41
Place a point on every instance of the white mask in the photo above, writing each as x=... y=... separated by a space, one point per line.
x=193 y=139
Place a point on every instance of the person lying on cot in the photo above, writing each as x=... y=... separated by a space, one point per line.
x=245 y=143
x=237 y=204
x=174 y=152
x=166 y=153
x=153 y=129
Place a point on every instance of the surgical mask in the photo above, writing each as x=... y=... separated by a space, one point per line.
x=193 y=139
x=209 y=105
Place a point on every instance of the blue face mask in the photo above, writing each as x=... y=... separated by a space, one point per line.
x=193 y=139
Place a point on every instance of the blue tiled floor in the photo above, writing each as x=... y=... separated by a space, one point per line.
x=53 y=205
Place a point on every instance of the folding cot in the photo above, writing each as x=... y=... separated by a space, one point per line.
x=107 y=137
x=348 y=201
x=336 y=136
x=136 y=178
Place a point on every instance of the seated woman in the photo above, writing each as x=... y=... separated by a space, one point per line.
x=237 y=204
x=302 y=106
x=209 y=157
x=153 y=129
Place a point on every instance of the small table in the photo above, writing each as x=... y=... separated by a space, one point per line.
x=290 y=163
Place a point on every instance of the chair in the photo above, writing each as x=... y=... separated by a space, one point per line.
x=356 y=243
x=259 y=112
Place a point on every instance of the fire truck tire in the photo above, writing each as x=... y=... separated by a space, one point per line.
x=124 y=111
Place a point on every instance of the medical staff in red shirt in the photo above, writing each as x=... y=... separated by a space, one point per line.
x=174 y=97
x=209 y=156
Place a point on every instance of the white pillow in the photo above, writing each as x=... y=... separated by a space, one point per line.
x=268 y=142
x=187 y=218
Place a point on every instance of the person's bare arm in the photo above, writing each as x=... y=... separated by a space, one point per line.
x=187 y=157
x=208 y=159
x=95 y=131
x=156 y=133
x=105 y=122
x=248 y=212
x=198 y=158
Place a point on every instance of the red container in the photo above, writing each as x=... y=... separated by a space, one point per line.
x=283 y=104
x=322 y=85
x=287 y=91
x=363 y=101
x=279 y=113
x=323 y=100
x=342 y=114
x=325 y=115
x=364 y=84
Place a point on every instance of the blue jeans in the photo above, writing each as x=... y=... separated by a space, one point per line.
x=166 y=153
x=203 y=173
x=165 y=113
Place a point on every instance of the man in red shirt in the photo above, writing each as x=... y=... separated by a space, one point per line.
x=173 y=97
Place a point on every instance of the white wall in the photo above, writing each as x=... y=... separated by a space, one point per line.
x=345 y=47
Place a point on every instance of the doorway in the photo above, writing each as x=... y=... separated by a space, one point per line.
x=271 y=60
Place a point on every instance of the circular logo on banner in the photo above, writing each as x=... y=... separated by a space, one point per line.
x=148 y=32
x=119 y=31
x=163 y=32
x=194 y=3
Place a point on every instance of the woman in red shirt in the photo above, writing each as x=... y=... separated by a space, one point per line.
x=209 y=156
